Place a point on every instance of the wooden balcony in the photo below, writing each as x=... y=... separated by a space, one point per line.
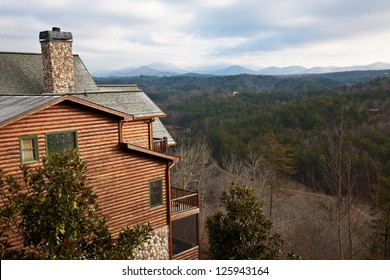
x=184 y=224
x=184 y=202
x=160 y=145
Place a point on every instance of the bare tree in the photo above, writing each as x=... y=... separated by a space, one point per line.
x=251 y=170
x=192 y=173
x=340 y=173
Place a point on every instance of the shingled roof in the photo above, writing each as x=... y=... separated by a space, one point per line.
x=12 y=106
x=131 y=100
x=127 y=99
x=22 y=89
x=22 y=73
x=159 y=131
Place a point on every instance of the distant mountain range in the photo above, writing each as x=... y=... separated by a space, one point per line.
x=161 y=70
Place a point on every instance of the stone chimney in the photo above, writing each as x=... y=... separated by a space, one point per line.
x=57 y=59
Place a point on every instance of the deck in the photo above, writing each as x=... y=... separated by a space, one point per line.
x=160 y=145
x=183 y=200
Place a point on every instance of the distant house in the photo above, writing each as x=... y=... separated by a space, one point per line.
x=375 y=112
x=49 y=101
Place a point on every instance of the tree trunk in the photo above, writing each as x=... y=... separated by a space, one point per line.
x=386 y=254
x=271 y=201
x=350 y=240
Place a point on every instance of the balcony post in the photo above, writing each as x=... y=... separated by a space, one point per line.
x=165 y=149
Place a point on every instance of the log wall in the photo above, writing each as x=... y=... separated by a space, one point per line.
x=121 y=178
x=191 y=254
x=137 y=133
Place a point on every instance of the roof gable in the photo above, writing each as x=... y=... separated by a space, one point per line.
x=11 y=107
x=14 y=108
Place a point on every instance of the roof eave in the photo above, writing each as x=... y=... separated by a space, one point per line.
x=151 y=153
x=144 y=117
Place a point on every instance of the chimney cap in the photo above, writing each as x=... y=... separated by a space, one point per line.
x=55 y=34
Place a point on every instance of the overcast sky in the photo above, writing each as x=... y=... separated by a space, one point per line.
x=112 y=34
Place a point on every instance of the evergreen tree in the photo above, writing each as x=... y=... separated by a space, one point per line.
x=242 y=231
x=279 y=159
x=56 y=216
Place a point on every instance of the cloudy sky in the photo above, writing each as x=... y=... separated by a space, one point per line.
x=112 y=34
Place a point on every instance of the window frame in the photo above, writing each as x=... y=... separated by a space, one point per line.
x=35 y=149
x=161 y=198
x=61 y=132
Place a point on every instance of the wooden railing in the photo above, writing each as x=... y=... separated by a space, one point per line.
x=183 y=200
x=160 y=145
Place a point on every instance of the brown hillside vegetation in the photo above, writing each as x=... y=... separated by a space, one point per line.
x=318 y=159
x=306 y=220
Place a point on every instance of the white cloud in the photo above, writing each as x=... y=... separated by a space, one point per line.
x=217 y=3
x=120 y=33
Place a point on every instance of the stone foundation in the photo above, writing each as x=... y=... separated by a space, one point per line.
x=157 y=248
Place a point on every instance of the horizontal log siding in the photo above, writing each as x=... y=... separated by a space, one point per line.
x=120 y=178
x=136 y=133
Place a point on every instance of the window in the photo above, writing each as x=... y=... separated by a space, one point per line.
x=29 y=149
x=61 y=141
x=156 y=193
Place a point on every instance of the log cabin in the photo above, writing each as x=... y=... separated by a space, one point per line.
x=49 y=101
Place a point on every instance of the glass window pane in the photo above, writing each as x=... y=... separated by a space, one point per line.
x=58 y=142
x=29 y=148
x=28 y=154
x=156 y=193
x=28 y=144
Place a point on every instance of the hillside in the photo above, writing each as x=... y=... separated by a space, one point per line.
x=305 y=114
x=162 y=69
x=159 y=88
x=298 y=109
